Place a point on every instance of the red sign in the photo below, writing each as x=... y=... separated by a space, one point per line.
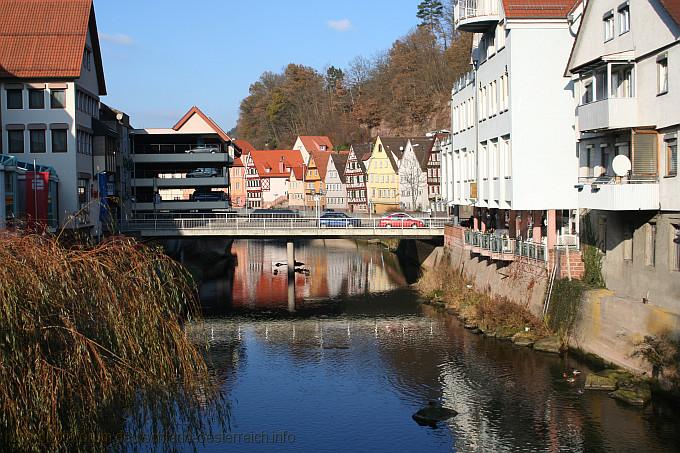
x=37 y=196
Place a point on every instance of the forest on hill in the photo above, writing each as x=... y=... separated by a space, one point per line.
x=404 y=90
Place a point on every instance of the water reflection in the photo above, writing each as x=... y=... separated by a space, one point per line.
x=361 y=356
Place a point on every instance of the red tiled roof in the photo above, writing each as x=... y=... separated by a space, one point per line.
x=522 y=9
x=313 y=142
x=298 y=172
x=238 y=162
x=46 y=39
x=196 y=111
x=270 y=159
x=321 y=161
x=245 y=146
x=673 y=8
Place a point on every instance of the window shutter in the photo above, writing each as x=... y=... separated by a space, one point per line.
x=645 y=154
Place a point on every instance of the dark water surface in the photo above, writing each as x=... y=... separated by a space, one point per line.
x=359 y=355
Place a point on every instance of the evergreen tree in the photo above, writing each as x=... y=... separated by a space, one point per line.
x=431 y=13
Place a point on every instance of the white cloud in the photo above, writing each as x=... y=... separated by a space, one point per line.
x=117 y=38
x=340 y=25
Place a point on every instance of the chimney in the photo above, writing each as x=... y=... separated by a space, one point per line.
x=281 y=165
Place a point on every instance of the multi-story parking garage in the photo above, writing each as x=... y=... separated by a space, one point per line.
x=184 y=168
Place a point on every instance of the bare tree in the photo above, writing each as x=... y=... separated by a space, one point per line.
x=410 y=178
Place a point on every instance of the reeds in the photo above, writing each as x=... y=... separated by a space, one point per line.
x=87 y=333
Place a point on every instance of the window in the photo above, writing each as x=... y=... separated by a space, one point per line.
x=16 y=141
x=57 y=99
x=87 y=59
x=508 y=157
x=37 y=141
x=624 y=18
x=589 y=161
x=672 y=157
x=500 y=36
x=601 y=85
x=587 y=92
x=59 y=141
x=83 y=195
x=662 y=74
x=650 y=249
x=608 y=21
x=622 y=81
x=36 y=99
x=15 y=99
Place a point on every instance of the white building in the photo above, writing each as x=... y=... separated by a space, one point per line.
x=512 y=157
x=413 y=174
x=336 y=189
x=51 y=78
x=626 y=69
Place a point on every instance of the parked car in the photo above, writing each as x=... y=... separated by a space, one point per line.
x=400 y=220
x=332 y=219
x=209 y=196
x=203 y=173
x=212 y=149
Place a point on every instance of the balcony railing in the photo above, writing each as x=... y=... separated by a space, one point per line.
x=611 y=113
x=619 y=194
x=476 y=15
x=504 y=248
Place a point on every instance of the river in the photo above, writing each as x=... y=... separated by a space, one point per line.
x=358 y=355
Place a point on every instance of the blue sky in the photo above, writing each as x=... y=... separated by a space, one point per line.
x=163 y=56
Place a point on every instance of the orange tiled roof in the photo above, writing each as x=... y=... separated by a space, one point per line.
x=321 y=161
x=245 y=146
x=237 y=162
x=46 y=38
x=298 y=172
x=270 y=159
x=520 y=9
x=314 y=142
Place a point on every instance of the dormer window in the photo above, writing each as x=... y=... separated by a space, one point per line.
x=267 y=170
x=322 y=147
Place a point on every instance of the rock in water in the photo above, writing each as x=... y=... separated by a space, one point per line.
x=549 y=344
x=597 y=382
x=433 y=414
x=638 y=395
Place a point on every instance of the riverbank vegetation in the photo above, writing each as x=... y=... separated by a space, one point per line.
x=403 y=91
x=88 y=333
x=493 y=315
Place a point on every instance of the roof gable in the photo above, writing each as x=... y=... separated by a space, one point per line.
x=267 y=162
x=46 y=39
x=197 y=121
x=316 y=143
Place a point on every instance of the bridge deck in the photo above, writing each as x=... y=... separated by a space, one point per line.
x=243 y=227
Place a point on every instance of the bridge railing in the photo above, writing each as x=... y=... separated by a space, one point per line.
x=228 y=222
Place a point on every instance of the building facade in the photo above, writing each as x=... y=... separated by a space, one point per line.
x=382 y=184
x=268 y=175
x=335 y=183
x=51 y=80
x=184 y=168
x=624 y=65
x=413 y=174
x=512 y=158
x=355 y=177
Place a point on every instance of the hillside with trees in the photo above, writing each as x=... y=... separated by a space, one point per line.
x=404 y=90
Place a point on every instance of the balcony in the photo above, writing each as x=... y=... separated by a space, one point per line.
x=184 y=158
x=619 y=194
x=181 y=183
x=476 y=15
x=503 y=248
x=613 y=113
x=183 y=205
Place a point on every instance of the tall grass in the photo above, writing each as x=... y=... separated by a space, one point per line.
x=484 y=310
x=87 y=333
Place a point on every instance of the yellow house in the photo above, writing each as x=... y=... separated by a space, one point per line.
x=382 y=186
x=315 y=177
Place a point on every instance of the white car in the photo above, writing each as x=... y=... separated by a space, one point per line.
x=212 y=149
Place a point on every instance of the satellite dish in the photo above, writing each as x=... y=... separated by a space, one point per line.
x=621 y=165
